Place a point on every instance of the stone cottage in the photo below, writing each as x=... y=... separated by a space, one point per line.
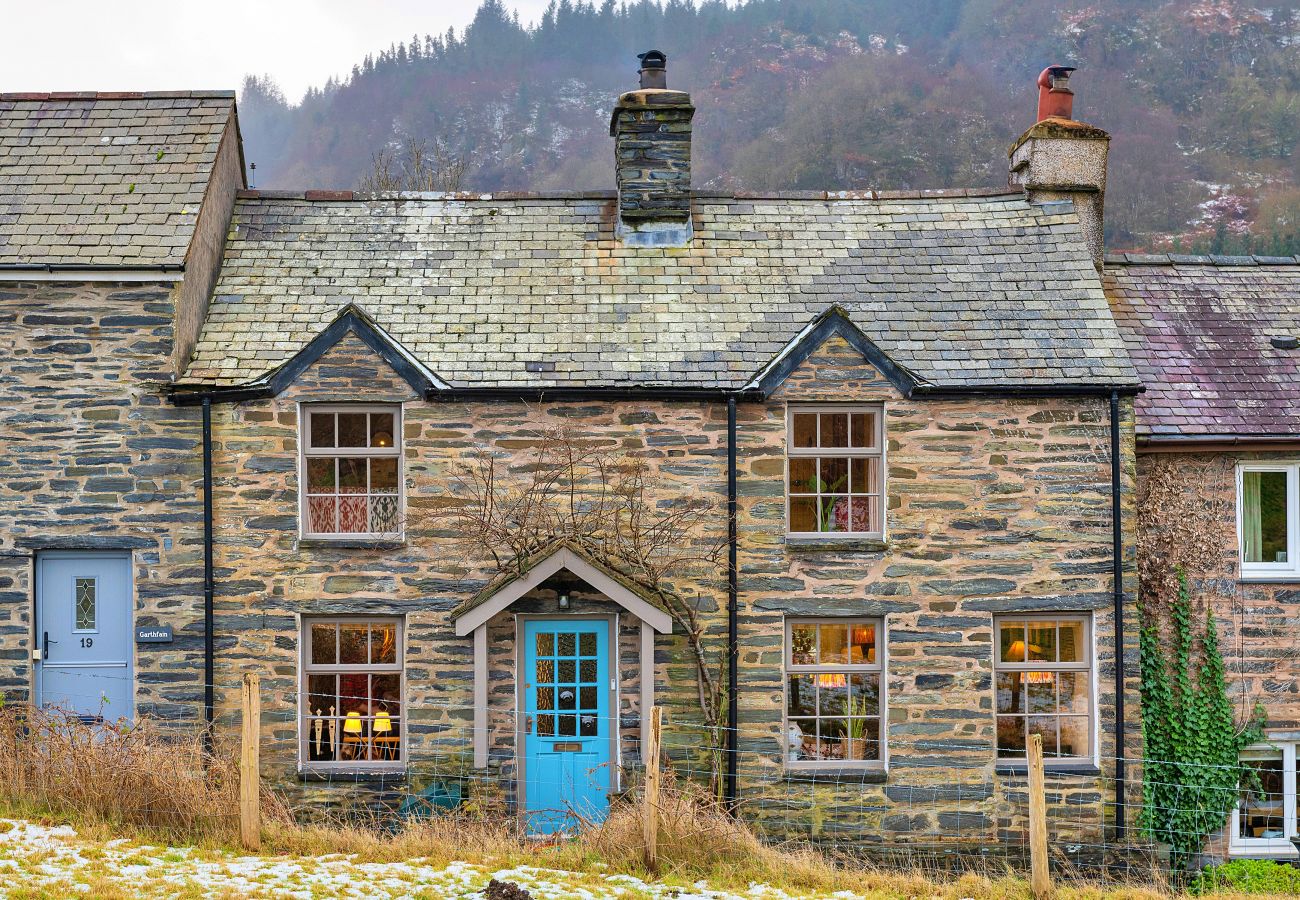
x=1215 y=341
x=236 y=421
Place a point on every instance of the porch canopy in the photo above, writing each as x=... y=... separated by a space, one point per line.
x=473 y=615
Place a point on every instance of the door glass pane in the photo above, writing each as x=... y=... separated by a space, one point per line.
x=1264 y=517
x=545 y=644
x=85 y=603
x=545 y=671
x=587 y=644
x=568 y=671
x=588 y=670
x=568 y=698
x=568 y=726
x=546 y=725
x=587 y=697
x=545 y=699
x=587 y=725
x=567 y=643
x=323 y=651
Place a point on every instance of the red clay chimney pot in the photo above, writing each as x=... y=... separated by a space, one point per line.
x=1055 y=99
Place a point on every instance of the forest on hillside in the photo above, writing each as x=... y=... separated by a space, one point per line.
x=1202 y=98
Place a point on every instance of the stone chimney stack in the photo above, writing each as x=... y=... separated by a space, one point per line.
x=651 y=128
x=1062 y=159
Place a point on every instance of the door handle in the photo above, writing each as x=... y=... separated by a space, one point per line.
x=528 y=724
x=45 y=644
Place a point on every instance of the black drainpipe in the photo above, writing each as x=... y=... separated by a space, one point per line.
x=733 y=624
x=209 y=656
x=1117 y=576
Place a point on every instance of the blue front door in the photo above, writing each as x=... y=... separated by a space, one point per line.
x=83 y=629
x=568 y=722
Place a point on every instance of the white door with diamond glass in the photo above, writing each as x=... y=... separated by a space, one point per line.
x=83 y=633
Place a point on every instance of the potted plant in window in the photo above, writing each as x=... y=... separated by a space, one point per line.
x=856 y=734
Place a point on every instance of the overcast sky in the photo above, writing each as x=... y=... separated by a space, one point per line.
x=132 y=45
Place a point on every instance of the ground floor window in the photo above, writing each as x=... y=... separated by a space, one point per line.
x=1265 y=818
x=1043 y=671
x=834 y=698
x=352 y=710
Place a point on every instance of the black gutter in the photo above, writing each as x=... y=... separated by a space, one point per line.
x=209 y=655
x=1117 y=576
x=561 y=394
x=84 y=267
x=733 y=614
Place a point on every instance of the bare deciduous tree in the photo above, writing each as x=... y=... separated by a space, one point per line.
x=584 y=493
x=417 y=165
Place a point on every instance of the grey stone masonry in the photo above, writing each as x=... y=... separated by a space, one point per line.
x=652 y=150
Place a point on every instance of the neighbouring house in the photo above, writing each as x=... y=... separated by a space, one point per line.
x=918 y=403
x=1216 y=341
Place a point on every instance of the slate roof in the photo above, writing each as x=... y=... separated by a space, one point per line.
x=965 y=289
x=102 y=179
x=1199 y=330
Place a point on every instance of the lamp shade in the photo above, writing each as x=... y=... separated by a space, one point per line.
x=352 y=723
x=383 y=722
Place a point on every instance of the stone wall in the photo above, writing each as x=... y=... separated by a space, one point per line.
x=1257 y=621
x=995 y=505
x=92 y=456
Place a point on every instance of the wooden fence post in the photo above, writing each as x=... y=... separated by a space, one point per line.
x=250 y=779
x=1040 y=877
x=651 y=728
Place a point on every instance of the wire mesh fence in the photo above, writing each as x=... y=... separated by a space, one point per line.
x=908 y=803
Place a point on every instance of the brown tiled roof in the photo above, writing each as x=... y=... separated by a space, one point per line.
x=1199 y=331
x=964 y=289
x=103 y=179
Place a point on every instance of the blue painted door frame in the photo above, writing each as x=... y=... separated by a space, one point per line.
x=84 y=619
x=568 y=705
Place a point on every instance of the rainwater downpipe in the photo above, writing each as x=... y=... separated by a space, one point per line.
x=1117 y=576
x=209 y=656
x=733 y=623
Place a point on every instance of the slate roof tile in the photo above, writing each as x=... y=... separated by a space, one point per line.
x=967 y=289
x=105 y=178
x=1198 y=330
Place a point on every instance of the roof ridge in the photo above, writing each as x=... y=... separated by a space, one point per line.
x=1188 y=259
x=118 y=95
x=465 y=196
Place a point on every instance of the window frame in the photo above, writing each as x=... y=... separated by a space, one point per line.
x=877 y=410
x=1262 y=571
x=1089 y=666
x=879 y=667
x=306 y=669
x=1272 y=847
x=306 y=452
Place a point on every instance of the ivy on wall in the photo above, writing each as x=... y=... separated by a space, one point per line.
x=1193 y=774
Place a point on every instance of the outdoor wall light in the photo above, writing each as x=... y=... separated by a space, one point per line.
x=564 y=599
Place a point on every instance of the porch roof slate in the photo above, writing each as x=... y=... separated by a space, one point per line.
x=964 y=288
x=1199 y=330
x=105 y=179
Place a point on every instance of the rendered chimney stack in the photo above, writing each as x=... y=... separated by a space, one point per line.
x=1060 y=159
x=651 y=128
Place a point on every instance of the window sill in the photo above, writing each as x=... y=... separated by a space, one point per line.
x=1022 y=769
x=357 y=543
x=1274 y=848
x=836 y=774
x=1280 y=578
x=809 y=543
x=376 y=776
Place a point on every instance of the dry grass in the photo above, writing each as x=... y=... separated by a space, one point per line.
x=137 y=775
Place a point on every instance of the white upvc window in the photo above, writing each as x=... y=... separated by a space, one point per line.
x=352 y=714
x=350 y=471
x=1045 y=684
x=835 y=471
x=1265 y=818
x=1268 y=508
x=835 y=692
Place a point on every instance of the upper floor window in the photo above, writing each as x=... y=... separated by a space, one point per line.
x=351 y=471
x=834 y=703
x=1044 y=685
x=836 y=475
x=1267 y=504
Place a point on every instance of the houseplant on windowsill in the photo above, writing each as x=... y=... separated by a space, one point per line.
x=856 y=733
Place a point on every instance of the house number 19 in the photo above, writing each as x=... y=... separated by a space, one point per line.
x=87 y=642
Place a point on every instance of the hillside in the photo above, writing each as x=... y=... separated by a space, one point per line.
x=1202 y=98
